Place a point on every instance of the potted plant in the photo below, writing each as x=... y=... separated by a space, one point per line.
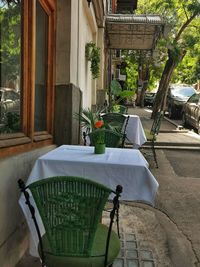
x=87 y=119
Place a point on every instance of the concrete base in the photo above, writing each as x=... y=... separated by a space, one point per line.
x=67 y=102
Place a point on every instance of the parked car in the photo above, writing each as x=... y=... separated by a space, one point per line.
x=9 y=102
x=149 y=98
x=177 y=97
x=191 y=112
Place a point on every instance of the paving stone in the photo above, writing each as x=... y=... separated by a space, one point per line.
x=147 y=264
x=131 y=245
x=131 y=254
x=118 y=263
x=132 y=263
x=146 y=254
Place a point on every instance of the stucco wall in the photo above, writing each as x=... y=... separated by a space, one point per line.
x=76 y=25
x=13 y=230
x=86 y=31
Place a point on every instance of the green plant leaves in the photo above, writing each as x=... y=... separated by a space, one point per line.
x=87 y=118
x=115 y=88
x=92 y=54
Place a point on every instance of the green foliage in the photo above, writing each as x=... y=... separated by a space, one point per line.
x=175 y=51
x=119 y=109
x=182 y=38
x=87 y=118
x=118 y=94
x=115 y=88
x=92 y=54
x=132 y=72
x=11 y=124
x=10 y=21
x=126 y=94
x=188 y=70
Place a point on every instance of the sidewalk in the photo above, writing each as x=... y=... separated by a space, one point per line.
x=171 y=230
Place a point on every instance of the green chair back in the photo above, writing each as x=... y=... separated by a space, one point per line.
x=70 y=208
x=108 y=137
x=119 y=109
x=114 y=120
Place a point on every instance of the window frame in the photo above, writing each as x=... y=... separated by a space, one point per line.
x=27 y=138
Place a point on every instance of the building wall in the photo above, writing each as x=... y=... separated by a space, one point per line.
x=78 y=26
x=84 y=30
x=13 y=228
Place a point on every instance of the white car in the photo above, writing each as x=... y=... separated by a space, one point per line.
x=9 y=102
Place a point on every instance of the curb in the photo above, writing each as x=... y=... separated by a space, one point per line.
x=171 y=147
x=171 y=121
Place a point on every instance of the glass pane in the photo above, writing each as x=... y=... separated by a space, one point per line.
x=10 y=66
x=41 y=68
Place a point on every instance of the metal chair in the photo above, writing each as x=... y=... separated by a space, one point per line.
x=119 y=109
x=124 y=131
x=109 y=137
x=71 y=209
x=152 y=134
x=114 y=120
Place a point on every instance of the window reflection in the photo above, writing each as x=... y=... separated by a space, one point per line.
x=41 y=68
x=10 y=65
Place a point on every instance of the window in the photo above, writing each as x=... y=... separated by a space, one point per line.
x=40 y=70
x=10 y=66
x=194 y=98
x=26 y=73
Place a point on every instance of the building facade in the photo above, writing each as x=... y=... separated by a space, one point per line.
x=45 y=78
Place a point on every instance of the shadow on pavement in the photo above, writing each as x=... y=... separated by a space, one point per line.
x=184 y=164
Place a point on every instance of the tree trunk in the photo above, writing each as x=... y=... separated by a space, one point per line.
x=145 y=85
x=161 y=96
x=159 y=103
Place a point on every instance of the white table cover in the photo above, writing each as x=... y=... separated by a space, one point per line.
x=134 y=131
x=126 y=167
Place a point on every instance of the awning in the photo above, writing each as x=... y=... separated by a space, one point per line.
x=134 y=32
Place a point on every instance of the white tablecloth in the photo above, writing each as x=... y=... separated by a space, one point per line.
x=126 y=167
x=135 y=132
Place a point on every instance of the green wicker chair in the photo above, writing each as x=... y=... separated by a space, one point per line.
x=114 y=120
x=118 y=122
x=71 y=209
x=109 y=138
x=119 y=109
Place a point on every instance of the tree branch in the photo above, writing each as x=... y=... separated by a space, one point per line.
x=185 y=11
x=184 y=26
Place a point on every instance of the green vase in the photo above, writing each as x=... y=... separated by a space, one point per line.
x=99 y=148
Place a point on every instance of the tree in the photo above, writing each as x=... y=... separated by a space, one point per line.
x=182 y=18
x=142 y=70
x=188 y=70
x=10 y=45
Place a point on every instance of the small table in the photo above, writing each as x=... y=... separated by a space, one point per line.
x=134 y=131
x=126 y=167
x=116 y=166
